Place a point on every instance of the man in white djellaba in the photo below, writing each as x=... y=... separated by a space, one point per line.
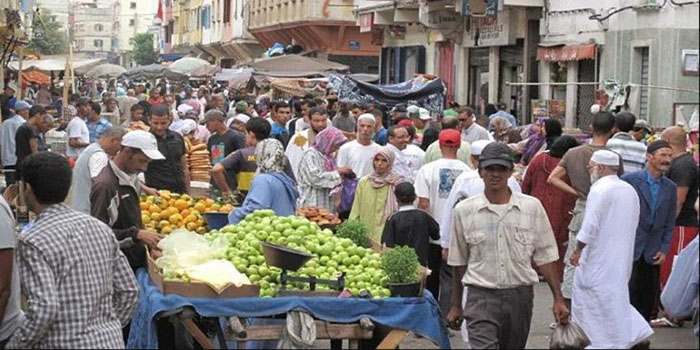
x=604 y=256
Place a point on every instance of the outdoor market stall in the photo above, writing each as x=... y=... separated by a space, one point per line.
x=276 y=266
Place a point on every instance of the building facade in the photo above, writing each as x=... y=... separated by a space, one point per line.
x=133 y=17
x=94 y=29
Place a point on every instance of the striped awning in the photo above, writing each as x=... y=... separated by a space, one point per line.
x=566 y=53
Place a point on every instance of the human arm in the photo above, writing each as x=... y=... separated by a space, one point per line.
x=682 y=193
x=669 y=227
x=597 y=204
x=38 y=285
x=6 y=261
x=545 y=257
x=102 y=208
x=259 y=197
x=185 y=171
x=125 y=287
x=76 y=143
x=148 y=190
x=559 y=309
x=454 y=316
x=389 y=234
x=217 y=172
x=359 y=198
x=556 y=179
x=422 y=188
x=312 y=171
x=527 y=180
x=458 y=258
x=33 y=145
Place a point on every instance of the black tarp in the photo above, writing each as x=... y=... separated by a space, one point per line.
x=429 y=94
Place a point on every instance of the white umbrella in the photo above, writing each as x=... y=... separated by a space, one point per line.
x=187 y=65
x=106 y=70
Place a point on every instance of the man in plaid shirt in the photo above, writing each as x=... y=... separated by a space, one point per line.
x=79 y=287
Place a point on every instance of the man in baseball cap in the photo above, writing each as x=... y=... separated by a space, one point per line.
x=640 y=130
x=7 y=99
x=8 y=143
x=118 y=186
x=496 y=153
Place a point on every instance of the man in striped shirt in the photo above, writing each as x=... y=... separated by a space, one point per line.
x=632 y=152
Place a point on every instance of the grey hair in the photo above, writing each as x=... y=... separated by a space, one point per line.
x=114 y=132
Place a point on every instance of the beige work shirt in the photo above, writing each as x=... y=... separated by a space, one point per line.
x=497 y=246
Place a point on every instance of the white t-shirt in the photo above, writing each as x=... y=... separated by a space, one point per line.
x=97 y=162
x=77 y=129
x=435 y=180
x=358 y=157
x=416 y=158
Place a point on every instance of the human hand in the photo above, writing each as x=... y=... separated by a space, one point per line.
x=155 y=254
x=445 y=253
x=560 y=311
x=659 y=258
x=454 y=317
x=150 y=191
x=149 y=238
x=575 y=256
x=344 y=170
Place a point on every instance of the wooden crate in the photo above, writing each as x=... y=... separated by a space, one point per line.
x=194 y=289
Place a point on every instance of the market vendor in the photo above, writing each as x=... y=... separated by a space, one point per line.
x=172 y=172
x=114 y=198
x=271 y=187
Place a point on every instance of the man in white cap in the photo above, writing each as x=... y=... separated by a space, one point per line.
x=420 y=119
x=8 y=142
x=467 y=185
x=117 y=187
x=6 y=100
x=604 y=256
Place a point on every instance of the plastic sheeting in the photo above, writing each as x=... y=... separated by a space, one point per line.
x=419 y=91
x=153 y=71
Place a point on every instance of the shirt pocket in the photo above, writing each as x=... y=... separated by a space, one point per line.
x=524 y=244
x=476 y=242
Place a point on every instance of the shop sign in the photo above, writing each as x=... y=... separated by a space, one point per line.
x=441 y=19
x=354 y=45
x=490 y=31
x=488 y=8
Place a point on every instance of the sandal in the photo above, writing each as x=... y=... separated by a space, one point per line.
x=663 y=322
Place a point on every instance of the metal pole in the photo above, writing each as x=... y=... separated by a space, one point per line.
x=19 y=76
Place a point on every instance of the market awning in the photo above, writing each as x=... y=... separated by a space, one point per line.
x=566 y=53
x=56 y=64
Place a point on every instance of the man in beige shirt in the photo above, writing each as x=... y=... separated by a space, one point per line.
x=495 y=237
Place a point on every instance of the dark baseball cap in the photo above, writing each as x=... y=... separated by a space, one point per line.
x=496 y=153
x=398 y=109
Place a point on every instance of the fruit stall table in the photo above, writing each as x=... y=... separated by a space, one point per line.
x=418 y=315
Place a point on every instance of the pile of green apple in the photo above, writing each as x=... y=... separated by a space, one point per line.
x=332 y=255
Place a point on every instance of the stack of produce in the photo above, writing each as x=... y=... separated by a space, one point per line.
x=171 y=211
x=320 y=216
x=200 y=163
x=332 y=255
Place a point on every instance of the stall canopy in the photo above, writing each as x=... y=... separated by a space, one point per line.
x=234 y=77
x=564 y=53
x=36 y=77
x=420 y=91
x=153 y=71
x=193 y=66
x=56 y=64
x=104 y=71
x=295 y=66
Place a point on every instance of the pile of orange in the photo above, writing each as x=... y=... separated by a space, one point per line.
x=170 y=211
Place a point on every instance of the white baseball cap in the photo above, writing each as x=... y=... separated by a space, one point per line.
x=145 y=141
x=478 y=146
x=423 y=114
x=12 y=85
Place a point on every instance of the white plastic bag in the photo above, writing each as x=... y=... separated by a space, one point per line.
x=568 y=336
x=182 y=249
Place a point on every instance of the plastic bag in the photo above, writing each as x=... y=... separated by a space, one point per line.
x=568 y=336
x=348 y=194
x=182 y=249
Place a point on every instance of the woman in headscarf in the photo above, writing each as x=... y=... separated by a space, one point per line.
x=556 y=203
x=374 y=198
x=534 y=143
x=318 y=172
x=271 y=188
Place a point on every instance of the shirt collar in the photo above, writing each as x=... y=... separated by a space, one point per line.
x=515 y=201
x=407 y=207
x=124 y=178
x=623 y=136
x=651 y=179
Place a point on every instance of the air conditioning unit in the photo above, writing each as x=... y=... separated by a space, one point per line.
x=649 y=5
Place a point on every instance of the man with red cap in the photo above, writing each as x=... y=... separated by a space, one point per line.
x=433 y=184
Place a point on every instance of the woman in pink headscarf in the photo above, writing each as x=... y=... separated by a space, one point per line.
x=374 y=197
x=318 y=172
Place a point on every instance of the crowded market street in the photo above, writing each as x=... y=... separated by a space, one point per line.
x=349 y=174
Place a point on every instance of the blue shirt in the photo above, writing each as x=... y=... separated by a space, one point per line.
x=97 y=128
x=506 y=115
x=682 y=287
x=380 y=137
x=654 y=185
x=274 y=191
x=278 y=130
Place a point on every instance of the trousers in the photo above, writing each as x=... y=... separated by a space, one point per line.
x=644 y=287
x=498 y=318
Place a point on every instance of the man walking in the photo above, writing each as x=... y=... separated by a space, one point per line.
x=359 y=153
x=90 y=163
x=281 y=113
x=28 y=136
x=7 y=140
x=603 y=257
x=633 y=152
x=79 y=288
x=496 y=238
x=574 y=167
x=398 y=140
x=657 y=217
x=222 y=142
x=96 y=123
x=171 y=173
x=114 y=197
x=77 y=130
x=433 y=152
x=434 y=182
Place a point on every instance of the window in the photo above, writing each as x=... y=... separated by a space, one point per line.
x=97 y=43
x=132 y=5
x=227 y=11
x=132 y=22
x=99 y=27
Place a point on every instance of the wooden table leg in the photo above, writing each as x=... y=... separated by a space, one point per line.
x=197 y=333
x=392 y=340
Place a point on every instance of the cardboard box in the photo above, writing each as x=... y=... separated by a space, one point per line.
x=194 y=289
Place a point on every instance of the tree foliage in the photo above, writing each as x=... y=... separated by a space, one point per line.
x=48 y=36
x=143 y=52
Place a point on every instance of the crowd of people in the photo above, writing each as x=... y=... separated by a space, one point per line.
x=490 y=205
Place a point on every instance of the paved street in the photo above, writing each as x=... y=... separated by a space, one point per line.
x=664 y=338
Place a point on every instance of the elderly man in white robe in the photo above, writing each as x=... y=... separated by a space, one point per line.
x=603 y=256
